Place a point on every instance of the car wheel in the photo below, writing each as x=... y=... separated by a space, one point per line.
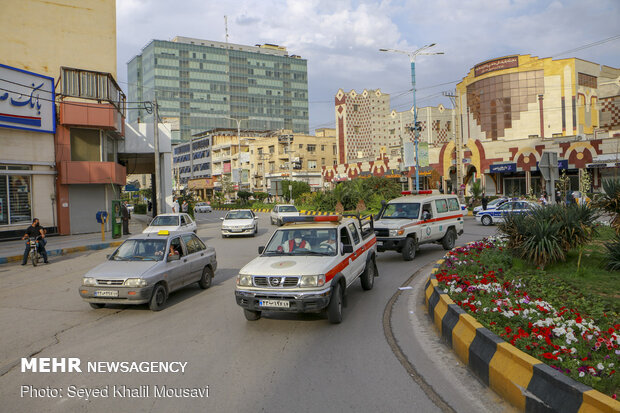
x=97 y=306
x=223 y=236
x=255 y=230
x=271 y=219
x=409 y=249
x=368 y=277
x=334 y=309
x=449 y=239
x=486 y=220
x=206 y=279
x=251 y=315
x=158 y=299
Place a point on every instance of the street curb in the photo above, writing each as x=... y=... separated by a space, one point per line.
x=65 y=251
x=301 y=211
x=521 y=379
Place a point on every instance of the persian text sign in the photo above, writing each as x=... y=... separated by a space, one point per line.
x=498 y=64
x=26 y=100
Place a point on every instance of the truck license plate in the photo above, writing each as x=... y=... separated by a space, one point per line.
x=106 y=293
x=274 y=303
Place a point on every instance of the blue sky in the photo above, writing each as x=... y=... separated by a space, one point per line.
x=341 y=38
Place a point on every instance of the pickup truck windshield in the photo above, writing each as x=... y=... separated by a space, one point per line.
x=165 y=221
x=140 y=250
x=401 y=211
x=309 y=241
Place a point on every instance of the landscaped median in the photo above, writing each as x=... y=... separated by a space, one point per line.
x=540 y=353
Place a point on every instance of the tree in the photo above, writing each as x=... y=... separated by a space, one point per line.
x=244 y=196
x=227 y=185
x=260 y=196
x=299 y=188
x=476 y=190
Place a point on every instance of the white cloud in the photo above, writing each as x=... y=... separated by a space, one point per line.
x=340 y=39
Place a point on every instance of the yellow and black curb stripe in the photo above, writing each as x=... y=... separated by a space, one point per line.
x=303 y=211
x=523 y=380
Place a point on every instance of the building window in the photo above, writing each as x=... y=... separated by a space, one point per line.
x=15 y=202
x=322 y=148
x=355 y=107
x=110 y=149
x=334 y=150
x=392 y=131
x=586 y=80
x=311 y=148
x=301 y=146
x=85 y=144
x=311 y=164
x=322 y=161
x=356 y=129
x=272 y=149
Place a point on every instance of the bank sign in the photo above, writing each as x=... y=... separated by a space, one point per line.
x=26 y=100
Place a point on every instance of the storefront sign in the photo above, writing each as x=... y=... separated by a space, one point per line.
x=498 y=64
x=26 y=100
x=503 y=168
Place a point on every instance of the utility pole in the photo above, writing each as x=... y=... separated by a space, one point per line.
x=290 y=167
x=457 y=142
x=156 y=207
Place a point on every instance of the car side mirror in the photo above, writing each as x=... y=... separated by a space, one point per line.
x=347 y=249
x=261 y=249
x=174 y=257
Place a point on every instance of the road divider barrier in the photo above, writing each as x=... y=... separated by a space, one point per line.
x=524 y=381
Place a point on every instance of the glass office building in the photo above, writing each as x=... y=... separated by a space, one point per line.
x=202 y=82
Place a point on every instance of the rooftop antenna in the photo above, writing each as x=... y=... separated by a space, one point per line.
x=226 y=29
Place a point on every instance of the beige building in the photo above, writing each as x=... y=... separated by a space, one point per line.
x=37 y=175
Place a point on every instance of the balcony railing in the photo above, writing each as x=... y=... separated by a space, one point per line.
x=88 y=84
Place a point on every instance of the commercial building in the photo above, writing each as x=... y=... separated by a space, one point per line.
x=66 y=115
x=203 y=83
x=516 y=107
x=508 y=111
x=255 y=162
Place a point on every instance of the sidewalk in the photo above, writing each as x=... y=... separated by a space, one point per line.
x=12 y=251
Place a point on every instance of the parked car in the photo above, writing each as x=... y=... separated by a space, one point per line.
x=490 y=216
x=146 y=268
x=172 y=223
x=239 y=222
x=492 y=204
x=202 y=207
x=281 y=211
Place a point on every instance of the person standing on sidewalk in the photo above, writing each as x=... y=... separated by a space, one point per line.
x=35 y=231
x=126 y=216
x=185 y=206
x=485 y=202
x=175 y=206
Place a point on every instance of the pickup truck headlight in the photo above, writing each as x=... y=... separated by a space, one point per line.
x=396 y=232
x=244 y=280
x=89 y=281
x=312 y=280
x=135 y=282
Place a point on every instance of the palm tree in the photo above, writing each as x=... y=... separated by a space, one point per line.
x=609 y=201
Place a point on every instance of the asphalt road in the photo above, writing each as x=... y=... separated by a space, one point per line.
x=283 y=362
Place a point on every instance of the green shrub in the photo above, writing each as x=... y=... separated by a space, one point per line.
x=139 y=209
x=613 y=254
x=541 y=242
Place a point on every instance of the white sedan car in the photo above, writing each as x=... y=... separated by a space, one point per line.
x=281 y=211
x=172 y=223
x=202 y=207
x=239 y=222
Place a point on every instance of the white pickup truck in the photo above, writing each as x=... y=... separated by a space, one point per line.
x=308 y=266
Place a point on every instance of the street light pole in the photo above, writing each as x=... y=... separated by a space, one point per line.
x=238 y=148
x=412 y=56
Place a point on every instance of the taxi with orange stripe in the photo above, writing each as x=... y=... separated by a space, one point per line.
x=308 y=265
x=416 y=218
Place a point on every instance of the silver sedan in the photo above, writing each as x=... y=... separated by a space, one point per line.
x=146 y=268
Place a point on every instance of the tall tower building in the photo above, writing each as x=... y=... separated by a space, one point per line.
x=203 y=83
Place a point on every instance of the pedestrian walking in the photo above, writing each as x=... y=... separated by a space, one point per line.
x=185 y=207
x=485 y=202
x=175 y=206
x=126 y=216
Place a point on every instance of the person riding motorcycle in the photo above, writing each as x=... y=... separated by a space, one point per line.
x=35 y=231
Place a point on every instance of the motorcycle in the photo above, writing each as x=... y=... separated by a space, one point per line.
x=34 y=250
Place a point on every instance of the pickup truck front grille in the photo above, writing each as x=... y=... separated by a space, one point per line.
x=277 y=282
x=382 y=232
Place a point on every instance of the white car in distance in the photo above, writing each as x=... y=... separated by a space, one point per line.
x=239 y=222
x=172 y=223
x=281 y=211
